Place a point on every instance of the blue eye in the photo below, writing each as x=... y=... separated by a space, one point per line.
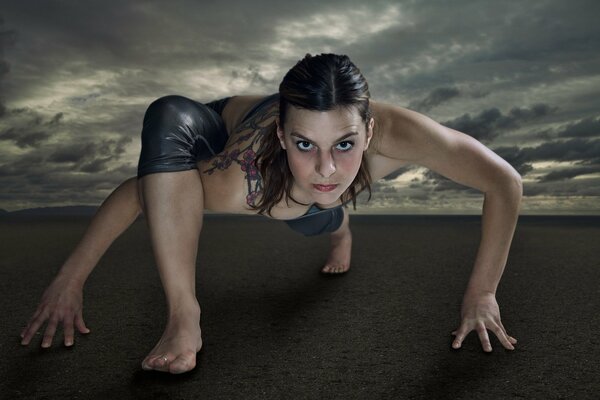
x=301 y=148
x=304 y=145
x=349 y=147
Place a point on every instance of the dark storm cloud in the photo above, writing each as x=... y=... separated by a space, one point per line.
x=154 y=35
x=570 y=173
x=7 y=39
x=24 y=139
x=582 y=151
x=434 y=98
x=77 y=152
x=86 y=71
x=498 y=46
x=397 y=173
x=587 y=127
x=30 y=129
x=489 y=123
x=72 y=153
x=84 y=157
x=572 y=187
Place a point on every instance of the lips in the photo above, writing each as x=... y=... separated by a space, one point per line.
x=325 y=188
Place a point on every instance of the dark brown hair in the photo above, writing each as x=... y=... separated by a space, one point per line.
x=317 y=83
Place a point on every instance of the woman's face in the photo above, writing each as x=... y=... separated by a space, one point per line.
x=323 y=148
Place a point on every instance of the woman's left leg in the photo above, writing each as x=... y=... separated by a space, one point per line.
x=341 y=248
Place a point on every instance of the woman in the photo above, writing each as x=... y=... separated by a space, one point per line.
x=298 y=155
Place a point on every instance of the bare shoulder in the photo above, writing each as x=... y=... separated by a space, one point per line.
x=398 y=133
x=237 y=107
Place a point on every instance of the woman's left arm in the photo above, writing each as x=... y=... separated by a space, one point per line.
x=418 y=139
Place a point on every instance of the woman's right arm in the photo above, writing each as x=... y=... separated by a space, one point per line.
x=62 y=301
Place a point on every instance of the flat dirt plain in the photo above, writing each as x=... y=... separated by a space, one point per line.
x=274 y=328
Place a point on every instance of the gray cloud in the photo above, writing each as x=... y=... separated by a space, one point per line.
x=24 y=139
x=434 y=98
x=29 y=128
x=583 y=151
x=488 y=124
x=570 y=173
x=396 y=173
x=75 y=80
x=7 y=39
x=587 y=127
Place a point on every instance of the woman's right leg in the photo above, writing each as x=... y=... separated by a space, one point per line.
x=173 y=204
x=177 y=132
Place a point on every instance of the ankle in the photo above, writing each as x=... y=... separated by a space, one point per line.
x=340 y=236
x=183 y=309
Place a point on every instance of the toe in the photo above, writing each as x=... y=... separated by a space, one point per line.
x=183 y=363
x=156 y=362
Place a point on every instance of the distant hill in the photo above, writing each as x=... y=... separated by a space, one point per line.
x=83 y=211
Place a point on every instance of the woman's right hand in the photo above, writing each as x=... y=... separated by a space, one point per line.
x=62 y=302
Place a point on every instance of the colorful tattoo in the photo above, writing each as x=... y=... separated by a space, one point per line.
x=245 y=156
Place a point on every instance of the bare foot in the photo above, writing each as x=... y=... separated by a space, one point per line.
x=339 y=255
x=176 y=350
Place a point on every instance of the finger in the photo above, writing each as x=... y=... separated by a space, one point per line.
x=510 y=338
x=461 y=333
x=502 y=336
x=36 y=315
x=80 y=324
x=68 y=330
x=483 y=337
x=32 y=329
x=33 y=318
x=50 y=331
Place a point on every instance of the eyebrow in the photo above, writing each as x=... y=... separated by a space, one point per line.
x=308 y=140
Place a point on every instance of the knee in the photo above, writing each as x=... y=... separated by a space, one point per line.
x=137 y=190
x=169 y=114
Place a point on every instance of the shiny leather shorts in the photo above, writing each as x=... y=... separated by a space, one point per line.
x=178 y=132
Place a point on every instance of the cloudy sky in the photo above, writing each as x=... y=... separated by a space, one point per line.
x=521 y=77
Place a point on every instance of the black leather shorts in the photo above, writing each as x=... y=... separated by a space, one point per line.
x=317 y=221
x=178 y=132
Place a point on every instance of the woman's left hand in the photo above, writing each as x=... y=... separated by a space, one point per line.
x=480 y=312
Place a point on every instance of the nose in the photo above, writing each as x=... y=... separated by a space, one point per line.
x=325 y=164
